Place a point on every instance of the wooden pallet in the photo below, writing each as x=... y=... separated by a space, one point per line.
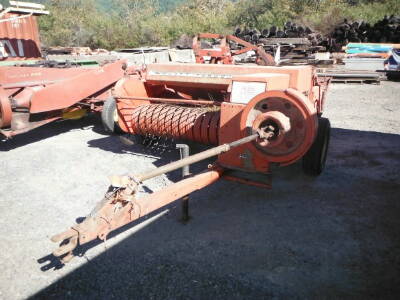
x=340 y=75
x=356 y=80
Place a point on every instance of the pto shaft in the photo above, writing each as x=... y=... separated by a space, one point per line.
x=194 y=158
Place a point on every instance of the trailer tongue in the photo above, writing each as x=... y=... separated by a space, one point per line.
x=121 y=206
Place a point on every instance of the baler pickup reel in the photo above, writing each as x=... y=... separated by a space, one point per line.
x=121 y=206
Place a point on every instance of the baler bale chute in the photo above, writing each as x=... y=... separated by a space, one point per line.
x=257 y=116
x=33 y=96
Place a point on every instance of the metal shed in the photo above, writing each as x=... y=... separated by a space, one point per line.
x=19 y=33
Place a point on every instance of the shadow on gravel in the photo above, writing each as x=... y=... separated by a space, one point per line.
x=143 y=147
x=49 y=130
x=161 y=155
x=335 y=236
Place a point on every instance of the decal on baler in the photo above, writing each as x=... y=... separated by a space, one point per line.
x=244 y=91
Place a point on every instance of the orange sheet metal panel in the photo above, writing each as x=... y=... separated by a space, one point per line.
x=19 y=37
x=212 y=74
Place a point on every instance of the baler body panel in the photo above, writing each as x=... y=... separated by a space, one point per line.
x=228 y=90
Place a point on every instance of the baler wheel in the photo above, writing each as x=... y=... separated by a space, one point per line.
x=108 y=116
x=315 y=158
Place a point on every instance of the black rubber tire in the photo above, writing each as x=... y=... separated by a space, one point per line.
x=315 y=158
x=107 y=116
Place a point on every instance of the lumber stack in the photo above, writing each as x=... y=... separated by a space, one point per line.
x=290 y=30
x=386 y=30
x=295 y=41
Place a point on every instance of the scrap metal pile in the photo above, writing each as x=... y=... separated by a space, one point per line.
x=294 y=40
x=257 y=116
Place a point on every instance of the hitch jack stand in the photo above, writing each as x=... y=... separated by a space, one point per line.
x=184 y=152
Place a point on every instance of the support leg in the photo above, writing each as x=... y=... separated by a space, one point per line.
x=184 y=152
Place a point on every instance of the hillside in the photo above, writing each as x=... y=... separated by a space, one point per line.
x=112 y=5
x=115 y=24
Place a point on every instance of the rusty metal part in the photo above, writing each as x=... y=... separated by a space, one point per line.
x=72 y=90
x=121 y=206
x=5 y=109
x=21 y=77
x=272 y=127
x=294 y=117
x=320 y=90
x=195 y=158
x=223 y=53
x=195 y=124
x=19 y=36
x=172 y=101
x=263 y=59
x=210 y=76
x=114 y=212
x=23 y=98
x=31 y=96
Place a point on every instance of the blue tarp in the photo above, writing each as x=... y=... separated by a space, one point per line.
x=355 y=48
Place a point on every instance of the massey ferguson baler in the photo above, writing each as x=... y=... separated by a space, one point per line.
x=255 y=116
x=33 y=96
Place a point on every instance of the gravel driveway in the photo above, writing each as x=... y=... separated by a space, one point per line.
x=335 y=236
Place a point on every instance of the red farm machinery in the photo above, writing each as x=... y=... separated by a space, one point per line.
x=229 y=47
x=33 y=96
x=253 y=116
x=34 y=91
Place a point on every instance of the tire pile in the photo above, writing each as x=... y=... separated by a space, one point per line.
x=386 y=30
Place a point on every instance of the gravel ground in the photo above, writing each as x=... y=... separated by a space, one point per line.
x=335 y=236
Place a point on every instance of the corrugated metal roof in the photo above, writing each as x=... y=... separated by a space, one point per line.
x=19 y=37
